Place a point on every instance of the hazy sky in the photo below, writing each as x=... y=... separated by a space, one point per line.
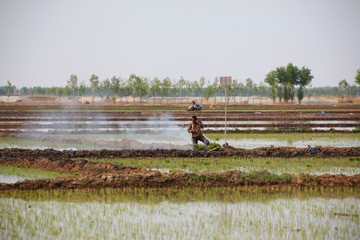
x=44 y=42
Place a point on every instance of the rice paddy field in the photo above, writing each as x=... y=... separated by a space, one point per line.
x=66 y=173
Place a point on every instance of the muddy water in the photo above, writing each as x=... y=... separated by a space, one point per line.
x=10 y=178
x=254 y=143
x=180 y=139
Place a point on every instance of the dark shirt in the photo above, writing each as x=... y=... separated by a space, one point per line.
x=196 y=127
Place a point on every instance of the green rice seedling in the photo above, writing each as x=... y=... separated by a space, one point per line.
x=357 y=129
x=305 y=130
x=277 y=165
x=30 y=173
x=294 y=215
x=213 y=146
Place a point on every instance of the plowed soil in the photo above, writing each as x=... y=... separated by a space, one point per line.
x=282 y=152
x=52 y=118
x=106 y=175
x=15 y=117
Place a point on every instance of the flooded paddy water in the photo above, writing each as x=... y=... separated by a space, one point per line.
x=241 y=215
x=260 y=198
x=177 y=139
x=156 y=129
x=4 y=178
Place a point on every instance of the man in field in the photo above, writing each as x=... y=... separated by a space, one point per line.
x=195 y=129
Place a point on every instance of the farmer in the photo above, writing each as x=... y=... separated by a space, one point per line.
x=195 y=129
x=312 y=149
x=194 y=106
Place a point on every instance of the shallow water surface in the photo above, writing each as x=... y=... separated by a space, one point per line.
x=10 y=178
x=281 y=218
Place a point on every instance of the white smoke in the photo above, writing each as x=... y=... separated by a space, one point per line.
x=159 y=131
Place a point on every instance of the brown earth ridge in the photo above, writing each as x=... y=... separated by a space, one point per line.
x=105 y=175
x=282 y=152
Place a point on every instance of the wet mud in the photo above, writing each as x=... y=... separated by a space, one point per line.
x=106 y=175
x=282 y=152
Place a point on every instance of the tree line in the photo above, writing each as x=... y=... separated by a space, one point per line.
x=281 y=84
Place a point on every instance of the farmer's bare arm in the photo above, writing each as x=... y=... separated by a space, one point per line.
x=189 y=128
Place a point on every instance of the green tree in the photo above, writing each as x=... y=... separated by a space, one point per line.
x=138 y=85
x=200 y=87
x=180 y=84
x=194 y=88
x=209 y=90
x=300 y=94
x=53 y=91
x=233 y=88
x=72 y=83
x=33 y=90
x=82 y=88
x=107 y=86
x=142 y=87
x=165 y=87
x=249 y=85
x=115 y=85
x=216 y=87
x=272 y=81
x=304 y=79
x=309 y=92
x=292 y=78
x=67 y=91
x=262 y=90
x=283 y=81
x=132 y=83
x=155 y=87
x=343 y=88
x=60 y=91
x=9 y=88
x=357 y=77
x=188 y=88
x=94 y=83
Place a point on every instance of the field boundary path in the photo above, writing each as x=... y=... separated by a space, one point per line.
x=106 y=175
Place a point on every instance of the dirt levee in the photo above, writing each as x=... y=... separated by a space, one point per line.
x=100 y=175
x=283 y=152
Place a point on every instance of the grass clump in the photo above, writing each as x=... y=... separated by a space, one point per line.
x=267 y=176
x=30 y=173
x=211 y=146
x=298 y=136
x=357 y=129
x=216 y=164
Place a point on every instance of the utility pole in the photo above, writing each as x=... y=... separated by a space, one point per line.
x=225 y=81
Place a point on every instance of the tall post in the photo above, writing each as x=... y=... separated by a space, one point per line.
x=225 y=81
x=225 y=111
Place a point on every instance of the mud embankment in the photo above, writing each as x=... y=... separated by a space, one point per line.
x=281 y=152
x=105 y=175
